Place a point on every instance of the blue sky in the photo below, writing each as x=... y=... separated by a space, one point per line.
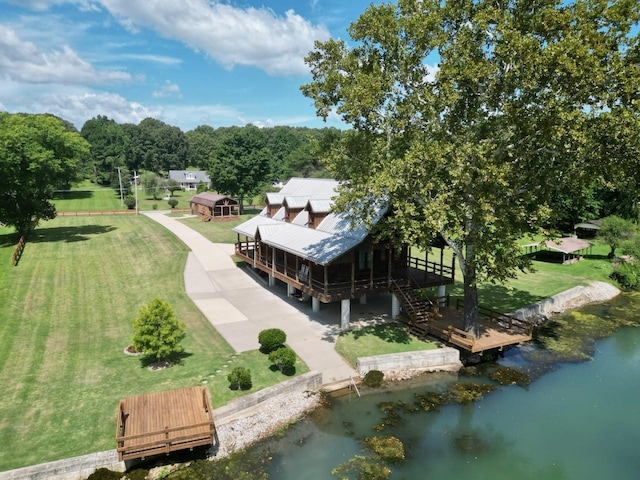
x=185 y=62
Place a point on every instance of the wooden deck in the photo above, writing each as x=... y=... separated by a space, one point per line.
x=494 y=333
x=164 y=422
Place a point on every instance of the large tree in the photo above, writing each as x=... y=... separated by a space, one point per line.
x=240 y=163
x=109 y=148
x=37 y=155
x=475 y=148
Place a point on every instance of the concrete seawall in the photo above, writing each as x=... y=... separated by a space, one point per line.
x=412 y=363
x=576 y=297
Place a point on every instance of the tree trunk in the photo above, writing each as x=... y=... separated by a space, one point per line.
x=470 y=294
x=241 y=208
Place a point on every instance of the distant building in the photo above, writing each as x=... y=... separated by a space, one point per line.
x=211 y=206
x=189 y=179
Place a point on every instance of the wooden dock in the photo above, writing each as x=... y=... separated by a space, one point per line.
x=164 y=422
x=495 y=332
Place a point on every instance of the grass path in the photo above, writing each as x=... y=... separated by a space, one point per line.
x=65 y=318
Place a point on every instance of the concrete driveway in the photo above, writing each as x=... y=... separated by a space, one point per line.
x=239 y=305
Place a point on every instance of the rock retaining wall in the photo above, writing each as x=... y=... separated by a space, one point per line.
x=244 y=406
x=404 y=365
x=576 y=297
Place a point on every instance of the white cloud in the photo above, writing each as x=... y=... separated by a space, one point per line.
x=230 y=35
x=78 y=108
x=162 y=59
x=168 y=90
x=23 y=61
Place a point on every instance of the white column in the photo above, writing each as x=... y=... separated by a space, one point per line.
x=442 y=291
x=345 y=313
x=315 y=304
x=395 y=306
x=272 y=280
x=363 y=300
x=291 y=290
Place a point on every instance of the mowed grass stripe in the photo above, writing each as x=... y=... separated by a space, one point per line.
x=65 y=318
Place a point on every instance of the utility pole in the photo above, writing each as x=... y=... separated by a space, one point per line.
x=135 y=180
x=120 y=180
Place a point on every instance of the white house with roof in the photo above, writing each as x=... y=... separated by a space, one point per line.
x=297 y=240
x=189 y=179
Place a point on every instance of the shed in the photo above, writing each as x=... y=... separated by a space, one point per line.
x=164 y=422
x=212 y=206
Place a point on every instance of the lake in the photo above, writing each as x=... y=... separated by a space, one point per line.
x=579 y=421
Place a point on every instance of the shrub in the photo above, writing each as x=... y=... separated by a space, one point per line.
x=172 y=202
x=130 y=202
x=105 y=474
x=627 y=275
x=373 y=378
x=158 y=332
x=240 y=378
x=271 y=339
x=154 y=206
x=284 y=358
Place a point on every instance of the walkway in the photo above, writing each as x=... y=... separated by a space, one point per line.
x=239 y=306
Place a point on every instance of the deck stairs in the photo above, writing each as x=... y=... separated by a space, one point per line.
x=418 y=311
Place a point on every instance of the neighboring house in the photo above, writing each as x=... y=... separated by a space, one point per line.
x=189 y=179
x=211 y=206
x=297 y=239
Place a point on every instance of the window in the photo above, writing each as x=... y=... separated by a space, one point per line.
x=364 y=260
x=190 y=176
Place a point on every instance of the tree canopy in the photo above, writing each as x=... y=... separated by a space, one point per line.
x=476 y=148
x=38 y=154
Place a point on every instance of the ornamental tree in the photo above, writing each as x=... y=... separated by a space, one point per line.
x=469 y=117
x=38 y=154
x=157 y=331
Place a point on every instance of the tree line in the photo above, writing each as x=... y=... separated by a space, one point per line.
x=238 y=158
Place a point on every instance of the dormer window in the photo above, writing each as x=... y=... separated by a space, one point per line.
x=190 y=176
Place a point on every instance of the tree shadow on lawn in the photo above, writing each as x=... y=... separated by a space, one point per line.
x=288 y=371
x=147 y=361
x=74 y=195
x=68 y=234
x=388 y=332
x=498 y=297
x=9 y=239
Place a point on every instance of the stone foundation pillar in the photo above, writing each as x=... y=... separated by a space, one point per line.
x=395 y=306
x=272 y=280
x=315 y=304
x=345 y=313
x=442 y=291
x=363 y=300
x=291 y=290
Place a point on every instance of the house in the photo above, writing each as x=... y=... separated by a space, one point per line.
x=297 y=240
x=212 y=206
x=189 y=179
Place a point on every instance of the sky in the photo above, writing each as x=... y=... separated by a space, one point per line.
x=185 y=62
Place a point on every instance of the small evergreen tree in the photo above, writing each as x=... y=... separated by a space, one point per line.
x=158 y=332
x=284 y=358
x=271 y=338
x=172 y=202
x=239 y=378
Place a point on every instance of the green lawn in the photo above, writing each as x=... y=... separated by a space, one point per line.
x=66 y=313
x=88 y=197
x=549 y=278
x=378 y=340
x=219 y=231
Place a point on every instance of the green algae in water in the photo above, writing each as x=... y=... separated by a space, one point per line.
x=509 y=376
x=243 y=465
x=389 y=449
x=362 y=468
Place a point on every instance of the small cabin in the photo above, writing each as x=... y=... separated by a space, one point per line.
x=212 y=206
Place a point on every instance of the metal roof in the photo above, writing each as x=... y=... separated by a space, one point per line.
x=211 y=199
x=181 y=176
x=274 y=198
x=567 y=245
x=320 y=206
x=295 y=202
x=333 y=237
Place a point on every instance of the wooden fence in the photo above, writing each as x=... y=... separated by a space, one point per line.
x=15 y=258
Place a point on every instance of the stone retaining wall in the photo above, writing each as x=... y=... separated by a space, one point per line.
x=394 y=364
x=576 y=297
x=307 y=382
